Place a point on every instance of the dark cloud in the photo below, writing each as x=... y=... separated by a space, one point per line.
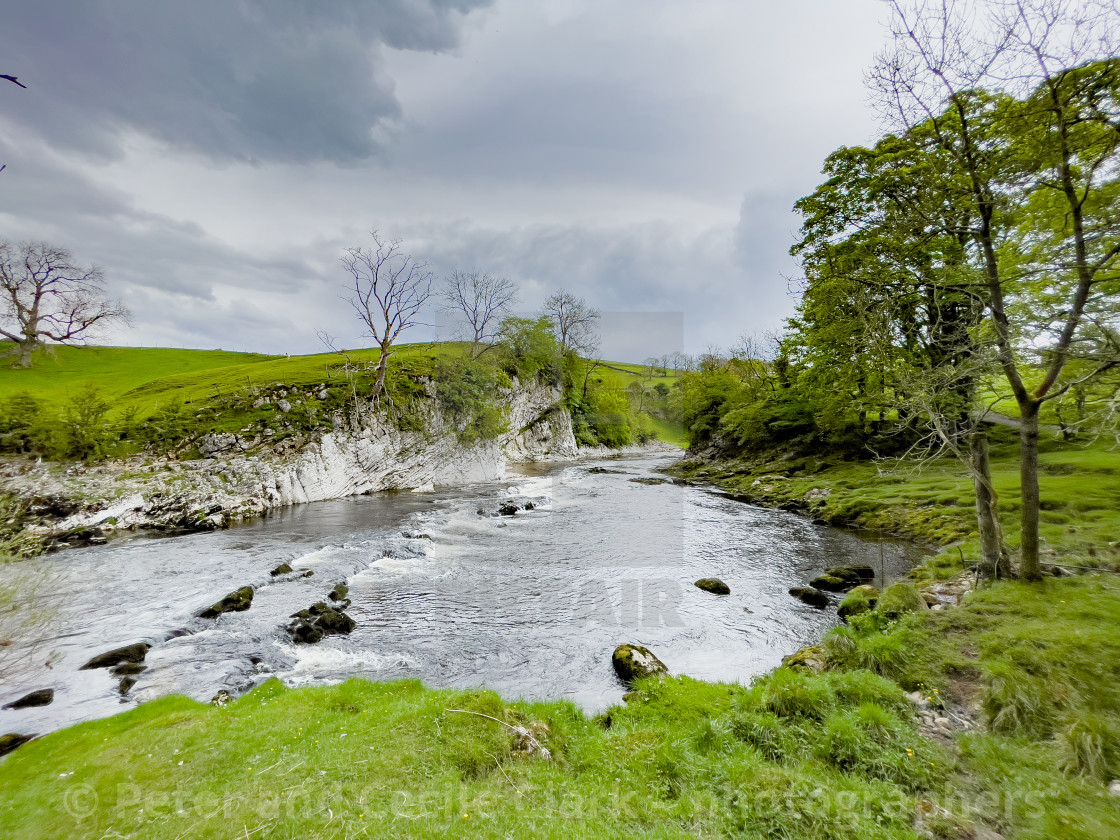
x=215 y=157
x=251 y=81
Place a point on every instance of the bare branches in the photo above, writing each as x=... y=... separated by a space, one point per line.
x=575 y=321
x=482 y=300
x=389 y=290
x=47 y=297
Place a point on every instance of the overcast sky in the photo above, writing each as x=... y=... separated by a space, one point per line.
x=214 y=157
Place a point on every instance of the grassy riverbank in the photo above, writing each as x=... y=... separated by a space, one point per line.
x=836 y=755
x=1025 y=675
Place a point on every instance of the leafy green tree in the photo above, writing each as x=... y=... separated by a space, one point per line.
x=1034 y=168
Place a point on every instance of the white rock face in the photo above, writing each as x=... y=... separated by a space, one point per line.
x=365 y=453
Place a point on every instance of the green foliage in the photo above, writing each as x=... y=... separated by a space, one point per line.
x=528 y=349
x=467 y=391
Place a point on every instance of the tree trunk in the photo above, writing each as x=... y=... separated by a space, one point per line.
x=26 y=348
x=993 y=560
x=382 y=366
x=1030 y=569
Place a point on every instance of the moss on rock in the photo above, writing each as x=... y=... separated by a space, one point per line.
x=634 y=662
x=713 y=585
x=899 y=599
x=238 y=601
x=860 y=600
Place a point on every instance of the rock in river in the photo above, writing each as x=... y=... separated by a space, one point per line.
x=42 y=697
x=238 y=601
x=809 y=595
x=713 y=585
x=130 y=653
x=282 y=569
x=318 y=620
x=634 y=662
x=842 y=578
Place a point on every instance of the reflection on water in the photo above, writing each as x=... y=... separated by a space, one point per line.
x=447 y=590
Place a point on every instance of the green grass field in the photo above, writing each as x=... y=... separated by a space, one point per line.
x=145 y=380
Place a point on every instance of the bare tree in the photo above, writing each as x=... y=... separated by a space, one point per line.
x=576 y=323
x=390 y=288
x=49 y=298
x=483 y=300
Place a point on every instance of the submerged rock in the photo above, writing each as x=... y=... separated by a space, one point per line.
x=13 y=741
x=129 y=653
x=860 y=600
x=238 y=601
x=899 y=599
x=126 y=685
x=42 y=697
x=650 y=481
x=809 y=595
x=128 y=669
x=282 y=569
x=634 y=662
x=713 y=585
x=508 y=509
x=318 y=620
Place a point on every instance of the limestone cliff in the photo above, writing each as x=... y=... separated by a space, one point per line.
x=238 y=479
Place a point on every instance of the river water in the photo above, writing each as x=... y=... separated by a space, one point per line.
x=447 y=590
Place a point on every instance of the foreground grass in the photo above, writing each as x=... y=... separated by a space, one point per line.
x=796 y=755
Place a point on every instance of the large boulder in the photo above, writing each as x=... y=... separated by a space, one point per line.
x=238 y=601
x=713 y=585
x=809 y=595
x=634 y=662
x=899 y=599
x=42 y=697
x=311 y=625
x=860 y=600
x=129 y=653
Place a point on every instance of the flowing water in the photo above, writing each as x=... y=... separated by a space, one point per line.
x=447 y=590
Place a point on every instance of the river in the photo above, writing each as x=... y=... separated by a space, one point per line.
x=447 y=590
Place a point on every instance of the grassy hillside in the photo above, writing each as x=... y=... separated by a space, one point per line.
x=159 y=396
x=116 y=371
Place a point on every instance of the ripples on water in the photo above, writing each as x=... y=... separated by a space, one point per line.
x=446 y=590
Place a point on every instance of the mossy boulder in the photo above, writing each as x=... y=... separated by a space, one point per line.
x=860 y=600
x=842 y=578
x=809 y=595
x=129 y=653
x=812 y=659
x=634 y=662
x=311 y=625
x=899 y=599
x=339 y=593
x=713 y=585
x=282 y=569
x=237 y=601
x=13 y=741
x=42 y=697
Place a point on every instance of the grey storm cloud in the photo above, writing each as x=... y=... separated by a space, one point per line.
x=215 y=157
x=249 y=80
